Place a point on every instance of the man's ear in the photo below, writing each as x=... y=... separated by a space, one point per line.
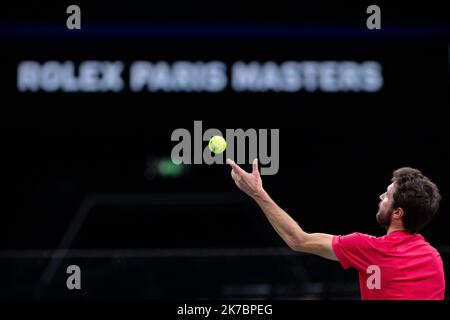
x=398 y=213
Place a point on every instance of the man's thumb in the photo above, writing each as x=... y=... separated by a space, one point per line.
x=255 y=167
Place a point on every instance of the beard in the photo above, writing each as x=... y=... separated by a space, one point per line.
x=384 y=217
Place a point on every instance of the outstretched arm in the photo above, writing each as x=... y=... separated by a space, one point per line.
x=294 y=236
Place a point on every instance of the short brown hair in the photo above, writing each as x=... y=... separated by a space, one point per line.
x=417 y=195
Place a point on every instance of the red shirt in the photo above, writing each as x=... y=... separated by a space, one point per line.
x=399 y=265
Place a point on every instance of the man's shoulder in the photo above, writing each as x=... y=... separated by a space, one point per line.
x=360 y=235
x=428 y=246
x=357 y=237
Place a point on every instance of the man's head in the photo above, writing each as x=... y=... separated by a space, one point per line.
x=410 y=201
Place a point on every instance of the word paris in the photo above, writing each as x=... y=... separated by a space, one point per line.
x=74 y=20
x=257 y=141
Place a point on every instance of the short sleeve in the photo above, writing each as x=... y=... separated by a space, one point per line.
x=354 y=250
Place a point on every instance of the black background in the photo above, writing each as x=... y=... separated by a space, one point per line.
x=337 y=150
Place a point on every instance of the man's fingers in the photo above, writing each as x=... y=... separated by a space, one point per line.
x=235 y=167
x=232 y=163
x=255 y=167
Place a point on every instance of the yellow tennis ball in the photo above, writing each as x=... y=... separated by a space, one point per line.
x=217 y=144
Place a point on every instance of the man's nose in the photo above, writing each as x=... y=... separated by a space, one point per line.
x=381 y=196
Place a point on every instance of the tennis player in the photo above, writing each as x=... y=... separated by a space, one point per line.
x=401 y=265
